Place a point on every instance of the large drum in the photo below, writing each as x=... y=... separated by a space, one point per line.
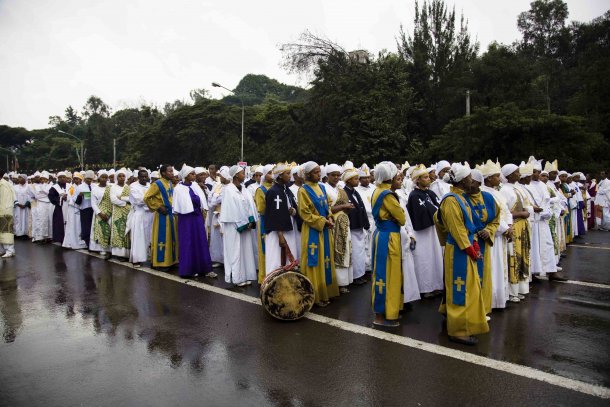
x=287 y=294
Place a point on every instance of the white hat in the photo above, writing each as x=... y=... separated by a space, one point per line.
x=44 y=174
x=155 y=174
x=224 y=172
x=508 y=169
x=333 y=168
x=385 y=171
x=536 y=164
x=234 y=170
x=457 y=172
x=199 y=170
x=441 y=165
x=309 y=166
x=89 y=174
x=489 y=168
x=526 y=170
x=477 y=176
x=185 y=170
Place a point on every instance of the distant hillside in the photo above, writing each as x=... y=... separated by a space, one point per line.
x=255 y=89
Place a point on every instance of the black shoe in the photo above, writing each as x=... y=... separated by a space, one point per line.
x=359 y=281
x=470 y=340
x=555 y=277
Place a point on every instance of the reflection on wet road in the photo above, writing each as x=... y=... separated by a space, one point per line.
x=79 y=330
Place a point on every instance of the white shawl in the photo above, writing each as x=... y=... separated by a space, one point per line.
x=181 y=199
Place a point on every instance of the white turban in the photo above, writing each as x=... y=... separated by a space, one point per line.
x=89 y=174
x=199 y=170
x=234 y=170
x=333 y=168
x=385 y=171
x=441 y=165
x=121 y=171
x=508 y=169
x=224 y=172
x=348 y=165
x=279 y=169
x=477 y=176
x=349 y=173
x=267 y=169
x=111 y=172
x=61 y=173
x=308 y=167
x=155 y=174
x=364 y=170
x=44 y=174
x=99 y=173
x=457 y=172
x=185 y=170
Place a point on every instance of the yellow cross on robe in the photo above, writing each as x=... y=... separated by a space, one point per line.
x=326 y=261
x=380 y=284
x=161 y=246
x=313 y=248
x=459 y=282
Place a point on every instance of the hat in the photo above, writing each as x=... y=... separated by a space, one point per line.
x=441 y=165
x=155 y=174
x=526 y=170
x=279 y=169
x=477 y=176
x=89 y=174
x=333 y=168
x=385 y=171
x=418 y=171
x=308 y=167
x=186 y=170
x=536 y=164
x=551 y=166
x=349 y=173
x=457 y=172
x=234 y=170
x=489 y=168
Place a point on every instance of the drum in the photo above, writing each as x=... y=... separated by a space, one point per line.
x=287 y=294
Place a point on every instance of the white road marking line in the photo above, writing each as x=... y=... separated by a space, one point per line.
x=502 y=366
x=585 y=283
x=589 y=247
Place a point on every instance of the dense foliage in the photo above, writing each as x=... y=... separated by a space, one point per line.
x=547 y=95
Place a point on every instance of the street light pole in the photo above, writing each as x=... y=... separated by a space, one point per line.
x=217 y=85
x=82 y=148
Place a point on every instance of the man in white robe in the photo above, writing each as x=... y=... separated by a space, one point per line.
x=295 y=172
x=215 y=231
x=42 y=214
x=333 y=174
x=541 y=231
x=238 y=219
x=440 y=187
x=140 y=220
x=72 y=238
x=602 y=200
x=21 y=212
x=365 y=189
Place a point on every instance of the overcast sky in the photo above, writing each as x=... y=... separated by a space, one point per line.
x=57 y=53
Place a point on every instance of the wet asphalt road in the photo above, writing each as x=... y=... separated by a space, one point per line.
x=77 y=330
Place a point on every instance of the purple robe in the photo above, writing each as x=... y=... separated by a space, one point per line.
x=193 y=250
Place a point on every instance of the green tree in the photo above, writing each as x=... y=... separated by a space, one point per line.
x=439 y=56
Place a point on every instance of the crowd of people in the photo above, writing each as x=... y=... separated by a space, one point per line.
x=476 y=237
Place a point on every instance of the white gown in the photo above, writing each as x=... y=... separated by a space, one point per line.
x=21 y=216
x=139 y=223
x=72 y=239
x=409 y=277
x=239 y=259
x=97 y=193
x=42 y=214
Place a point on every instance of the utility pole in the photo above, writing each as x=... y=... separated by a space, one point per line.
x=114 y=153
x=467 y=102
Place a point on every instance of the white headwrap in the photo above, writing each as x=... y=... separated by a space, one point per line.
x=477 y=176
x=333 y=168
x=441 y=165
x=267 y=169
x=308 y=167
x=155 y=174
x=348 y=165
x=234 y=170
x=364 y=171
x=508 y=169
x=44 y=174
x=99 y=173
x=224 y=172
x=199 y=170
x=457 y=172
x=89 y=174
x=111 y=172
x=385 y=171
x=121 y=171
x=61 y=173
x=185 y=170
